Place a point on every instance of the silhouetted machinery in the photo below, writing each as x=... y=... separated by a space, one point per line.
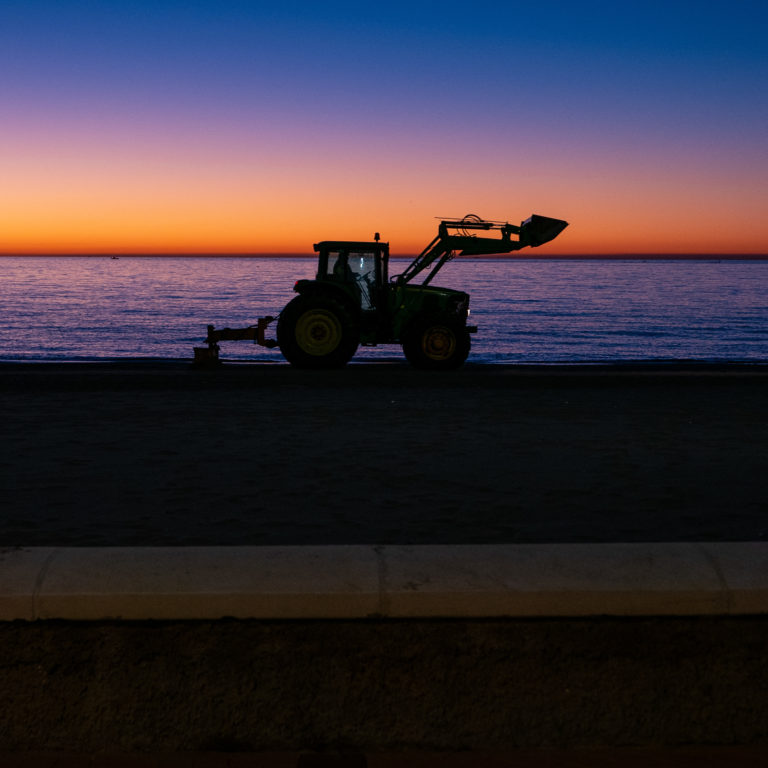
x=353 y=301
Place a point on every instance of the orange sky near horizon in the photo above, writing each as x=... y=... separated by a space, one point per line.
x=67 y=197
x=124 y=225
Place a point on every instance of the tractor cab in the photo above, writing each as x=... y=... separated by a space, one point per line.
x=359 y=269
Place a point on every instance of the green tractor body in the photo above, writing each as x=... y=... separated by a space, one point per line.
x=353 y=301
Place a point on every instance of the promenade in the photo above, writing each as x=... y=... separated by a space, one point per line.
x=160 y=454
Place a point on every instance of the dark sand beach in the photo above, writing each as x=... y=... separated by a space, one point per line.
x=160 y=453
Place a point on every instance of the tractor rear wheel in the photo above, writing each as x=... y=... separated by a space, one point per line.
x=437 y=344
x=317 y=332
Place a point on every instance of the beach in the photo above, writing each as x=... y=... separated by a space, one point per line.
x=151 y=453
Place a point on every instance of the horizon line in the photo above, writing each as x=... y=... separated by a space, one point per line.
x=309 y=255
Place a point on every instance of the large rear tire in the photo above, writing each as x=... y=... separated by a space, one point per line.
x=317 y=332
x=437 y=344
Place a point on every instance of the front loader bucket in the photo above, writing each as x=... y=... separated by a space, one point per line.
x=538 y=230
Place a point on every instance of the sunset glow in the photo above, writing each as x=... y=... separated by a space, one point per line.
x=170 y=127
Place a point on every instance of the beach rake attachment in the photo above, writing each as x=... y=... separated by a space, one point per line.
x=209 y=356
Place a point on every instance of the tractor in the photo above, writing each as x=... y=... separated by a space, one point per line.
x=353 y=301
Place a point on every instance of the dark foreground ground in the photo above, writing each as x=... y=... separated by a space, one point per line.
x=160 y=453
x=681 y=757
x=544 y=687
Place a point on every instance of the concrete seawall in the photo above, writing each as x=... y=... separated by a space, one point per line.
x=383 y=648
x=395 y=582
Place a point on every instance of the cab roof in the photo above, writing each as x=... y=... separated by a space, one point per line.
x=350 y=245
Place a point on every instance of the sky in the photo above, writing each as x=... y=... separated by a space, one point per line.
x=255 y=127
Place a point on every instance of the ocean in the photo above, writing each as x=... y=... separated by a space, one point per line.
x=527 y=310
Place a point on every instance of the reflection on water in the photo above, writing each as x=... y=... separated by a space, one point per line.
x=526 y=310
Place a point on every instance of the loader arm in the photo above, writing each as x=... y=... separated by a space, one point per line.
x=455 y=236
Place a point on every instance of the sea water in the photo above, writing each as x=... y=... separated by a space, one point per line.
x=526 y=310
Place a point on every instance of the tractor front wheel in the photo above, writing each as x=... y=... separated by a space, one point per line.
x=317 y=332
x=437 y=344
